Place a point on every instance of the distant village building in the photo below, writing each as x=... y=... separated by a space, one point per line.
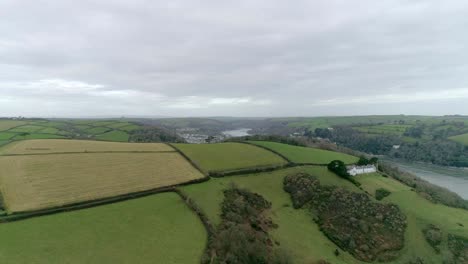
x=356 y=170
x=396 y=146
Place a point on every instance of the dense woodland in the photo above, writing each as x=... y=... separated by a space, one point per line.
x=434 y=148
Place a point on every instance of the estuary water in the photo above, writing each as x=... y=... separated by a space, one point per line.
x=454 y=179
x=240 y=132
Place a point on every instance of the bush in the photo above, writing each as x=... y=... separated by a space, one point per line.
x=243 y=235
x=339 y=168
x=368 y=230
x=433 y=236
x=381 y=193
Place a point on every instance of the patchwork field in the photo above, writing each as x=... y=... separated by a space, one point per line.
x=158 y=228
x=301 y=237
x=71 y=146
x=461 y=138
x=106 y=130
x=297 y=233
x=32 y=182
x=306 y=155
x=229 y=156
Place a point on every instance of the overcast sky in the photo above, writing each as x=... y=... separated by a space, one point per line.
x=233 y=58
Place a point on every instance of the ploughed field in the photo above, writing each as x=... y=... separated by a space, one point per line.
x=40 y=174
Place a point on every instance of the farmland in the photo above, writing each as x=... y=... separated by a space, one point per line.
x=420 y=213
x=34 y=177
x=229 y=156
x=300 y=236
x=297 y=233
x=298 y=154
x=105 y=130
x=54 y=173
x=159 y=227
x=461 y=138
x=71 y=146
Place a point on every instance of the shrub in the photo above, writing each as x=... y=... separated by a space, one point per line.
x=339 y=168
x=381 y=193
x=242 y=237
x=368 y=230
x=433 y=236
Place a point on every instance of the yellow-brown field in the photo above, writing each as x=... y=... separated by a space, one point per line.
x=42 y=146
x=32 y=182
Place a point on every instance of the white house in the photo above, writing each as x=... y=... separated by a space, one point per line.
x=355 y=170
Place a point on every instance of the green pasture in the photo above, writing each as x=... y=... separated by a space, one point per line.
x=299 y=154
x=461 y=139
x=229 y=156
x=158 y=228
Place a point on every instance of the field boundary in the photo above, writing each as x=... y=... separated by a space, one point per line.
x=192 y=205
x=97 y=202
x=193 y=163
x=268 y=149
x=86 y=152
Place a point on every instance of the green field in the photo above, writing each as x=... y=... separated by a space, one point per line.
x=6 y=135
x=97 y=130
x=298 y=154
x=461 y=138
x=8 y=124
x=37 y=136
x=420 y=213
x=297 y=233
x=300 y=236
x=107 y=130
x=229 y=156
x=115 y=135
x=154 y=229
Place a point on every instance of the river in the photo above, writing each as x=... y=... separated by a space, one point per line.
x=454 y=179
x=240 y=132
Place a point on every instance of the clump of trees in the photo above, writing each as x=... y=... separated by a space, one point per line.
x=427 y=190
x=365 y=161
x=243 y=235
x=381 y=193
x=433 y=148
x=433 y=236
x=154 y=134
x=368 y=230
x=339 y=168
x=458 y=246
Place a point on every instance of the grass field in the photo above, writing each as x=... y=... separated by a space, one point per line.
x=229 y=156
x=297 y=233
x=300 y=236
x=8 y=124
x=461 y=138
x=154 y=229
x=420 y=213
x=306 y=155
x=33 y=182
x=37 y=136
x=119 y=136
x=97 y=130
x=70 y=146
x=107 y=130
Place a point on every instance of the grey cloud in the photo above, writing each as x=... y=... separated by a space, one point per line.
x=252 y=57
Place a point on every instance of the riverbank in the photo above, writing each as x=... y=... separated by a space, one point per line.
x=454 y=179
